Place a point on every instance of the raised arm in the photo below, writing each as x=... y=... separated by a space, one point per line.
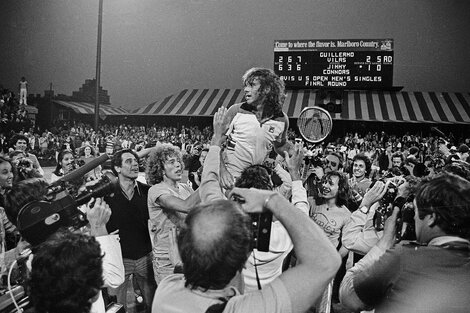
x=318 y=260
x=170 y=202
x=226 y=179
x=210 y=186
x=283 y=144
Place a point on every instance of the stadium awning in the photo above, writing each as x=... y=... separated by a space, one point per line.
x=89 y=108
x=380 y=106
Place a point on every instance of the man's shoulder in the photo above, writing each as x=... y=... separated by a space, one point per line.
x=243 y=108
x=272 y=298
x=142 y=186
x=173 y=296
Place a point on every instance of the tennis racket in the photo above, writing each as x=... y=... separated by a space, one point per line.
x=314 y=124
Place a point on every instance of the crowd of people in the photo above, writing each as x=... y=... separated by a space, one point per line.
x=265 y=223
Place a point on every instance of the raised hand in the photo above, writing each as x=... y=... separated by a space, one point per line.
x=219 y=126
x=98 y=214
x=252 y=200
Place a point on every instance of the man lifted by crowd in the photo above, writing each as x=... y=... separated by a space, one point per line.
x=255 y=126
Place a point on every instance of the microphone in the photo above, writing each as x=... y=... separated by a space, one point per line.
x=81 y=171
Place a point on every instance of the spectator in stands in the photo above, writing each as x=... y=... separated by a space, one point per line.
x=361 y=168
x=65 y=165
x=23 y=88
x=463 y=152
x=6 y=182
x=88 y=153
x=430 y=276
x=398 y=163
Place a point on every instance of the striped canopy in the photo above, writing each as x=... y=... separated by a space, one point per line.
x=380 y=106
x=89 y=108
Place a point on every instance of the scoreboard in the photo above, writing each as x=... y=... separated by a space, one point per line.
x=337 y=63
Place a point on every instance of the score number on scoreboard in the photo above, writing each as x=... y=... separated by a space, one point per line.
x=345 y=63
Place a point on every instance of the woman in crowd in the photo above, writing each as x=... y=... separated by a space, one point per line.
x=6 y=182
x=169 y=201
x=87 y=154
x=65 y=165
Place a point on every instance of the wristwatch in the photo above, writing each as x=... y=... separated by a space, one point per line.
x=364 y=209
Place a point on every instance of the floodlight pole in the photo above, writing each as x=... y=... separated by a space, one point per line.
x=98 y=64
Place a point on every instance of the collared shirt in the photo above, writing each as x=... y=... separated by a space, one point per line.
x=130 y=217
x=136 y=187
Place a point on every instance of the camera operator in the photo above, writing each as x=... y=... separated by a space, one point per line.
x=262 y=267
x=428 y=276
x=98 y=214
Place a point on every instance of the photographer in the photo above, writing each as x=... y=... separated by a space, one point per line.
x=317 y=168
x=21 y=143
x=98 y=214
x=431 y=275
x=359 y=233
x=215 y=244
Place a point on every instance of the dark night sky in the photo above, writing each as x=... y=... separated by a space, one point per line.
x=152 y=48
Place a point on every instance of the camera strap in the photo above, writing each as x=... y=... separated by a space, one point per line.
x=256 y=271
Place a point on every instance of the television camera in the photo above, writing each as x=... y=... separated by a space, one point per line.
x=39 y=219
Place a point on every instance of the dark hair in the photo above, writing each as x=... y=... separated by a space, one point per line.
x=60 y=157
x=414 y=150
x=255 y=176
x=17 y=137
x=343 y=195
x=340 y=158
x=156 y=161
x=448 y=196
x=366 y=161
x=460 y=168
x=93 y=151
x=22 y=193
x=272 y=89
x=117 y=159
x=211 y=259
x=398 y=155
x=67 y=272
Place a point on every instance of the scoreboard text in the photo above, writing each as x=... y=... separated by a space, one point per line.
x=337 y=63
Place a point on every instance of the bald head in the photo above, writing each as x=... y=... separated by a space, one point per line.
x=214 y=244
